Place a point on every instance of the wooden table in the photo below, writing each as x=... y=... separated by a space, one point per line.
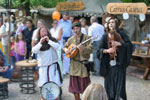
x=27 y=84
x=145 y=57
x=3 y=88
x=3 y=80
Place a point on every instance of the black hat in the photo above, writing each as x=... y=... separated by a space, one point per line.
x=76 y=24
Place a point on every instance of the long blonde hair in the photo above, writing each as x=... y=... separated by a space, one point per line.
x=94 y=91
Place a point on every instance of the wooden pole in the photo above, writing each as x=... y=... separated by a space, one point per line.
x=9 y=32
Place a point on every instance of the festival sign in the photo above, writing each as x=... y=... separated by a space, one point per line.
x=130 y=8
x=70 y=6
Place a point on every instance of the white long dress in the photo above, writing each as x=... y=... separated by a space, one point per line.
x=55 y=33
x=45 y=59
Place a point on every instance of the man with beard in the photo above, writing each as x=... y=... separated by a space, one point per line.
x=79 y=76
x=47 y=57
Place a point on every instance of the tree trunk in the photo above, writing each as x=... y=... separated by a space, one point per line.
x=27 y=7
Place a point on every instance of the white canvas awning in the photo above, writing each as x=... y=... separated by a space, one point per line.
x=46 y=11
x=92 y=7
x=2 y=9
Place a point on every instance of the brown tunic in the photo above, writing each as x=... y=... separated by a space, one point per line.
x=76 y=68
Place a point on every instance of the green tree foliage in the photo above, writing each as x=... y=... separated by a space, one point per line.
x=32 y=3
x=126 y=0
x=45 y=3
x=2 y=2
x=146 y=1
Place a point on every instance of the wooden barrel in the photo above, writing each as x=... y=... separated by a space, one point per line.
x=16 y=72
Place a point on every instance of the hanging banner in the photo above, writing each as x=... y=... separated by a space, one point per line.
x=130 y=8
x=70 y=6
x=20 y=13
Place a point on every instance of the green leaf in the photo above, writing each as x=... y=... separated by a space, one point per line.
x=126 y=0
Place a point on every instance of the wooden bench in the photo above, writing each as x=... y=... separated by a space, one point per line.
x=145 y=57
x=3 y=88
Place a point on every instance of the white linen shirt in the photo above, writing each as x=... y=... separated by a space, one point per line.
x=34 y=36
x=48 y=57
x=3 y=32
x=83 y=30
x=96 y=29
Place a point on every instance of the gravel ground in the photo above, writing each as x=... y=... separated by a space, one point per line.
x=137 y=89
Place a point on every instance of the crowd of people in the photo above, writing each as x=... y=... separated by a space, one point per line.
x=111 y=54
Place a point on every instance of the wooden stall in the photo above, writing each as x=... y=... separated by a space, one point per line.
x=141 y=51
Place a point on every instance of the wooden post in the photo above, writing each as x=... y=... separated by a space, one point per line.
x=147 y=71
x=9 y=32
